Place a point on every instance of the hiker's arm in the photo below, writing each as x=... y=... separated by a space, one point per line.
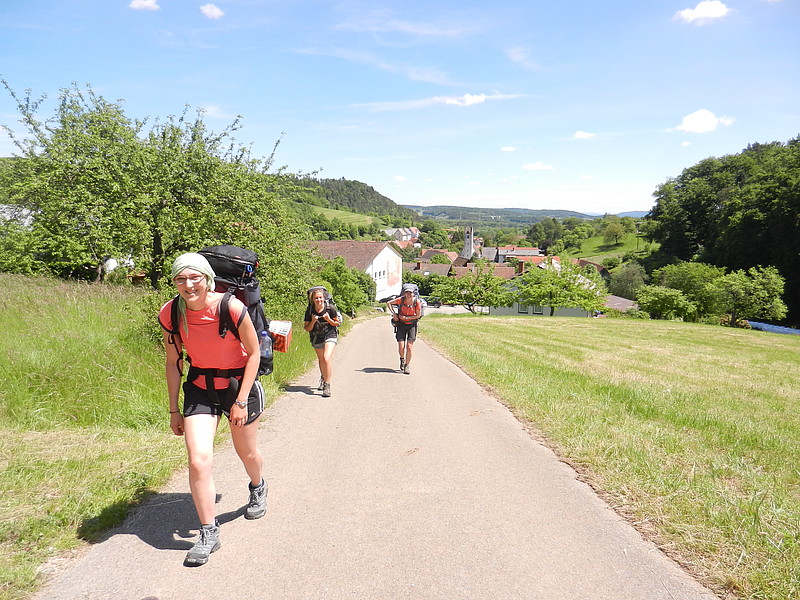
x=249 y=339
x=389 y=306
x=172 y=366
x=332 y=321
x=309 y=325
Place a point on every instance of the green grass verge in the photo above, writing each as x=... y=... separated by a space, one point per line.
x=84 y=429
x=691 y=431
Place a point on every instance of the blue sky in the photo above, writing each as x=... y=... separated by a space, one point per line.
x=580 y=105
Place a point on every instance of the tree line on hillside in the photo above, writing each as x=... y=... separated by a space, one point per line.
x=346 y=194
x=740 y=212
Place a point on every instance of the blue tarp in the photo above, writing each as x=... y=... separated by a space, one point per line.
x=773 y=328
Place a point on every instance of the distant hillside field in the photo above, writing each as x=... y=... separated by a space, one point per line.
x=595 y=248
x=346 y=216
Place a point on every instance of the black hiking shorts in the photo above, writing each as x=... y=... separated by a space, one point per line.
x=406 y=332
x=197 y=401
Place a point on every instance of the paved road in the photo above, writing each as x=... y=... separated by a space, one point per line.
x=415 y=486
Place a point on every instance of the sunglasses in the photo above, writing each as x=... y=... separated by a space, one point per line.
x=195 y=279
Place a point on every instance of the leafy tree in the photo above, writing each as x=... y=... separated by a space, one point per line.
x=738 y=212
x=613 y=232
x=696 y=281
x=752 y=294
x=480 y=287
x=347 y=287
x=409 y=253
x=562 y=285
x=536 y=233
x=627 y=279
x=93 y=184
x=425 y=283
x=440 y=259
x=664 y=303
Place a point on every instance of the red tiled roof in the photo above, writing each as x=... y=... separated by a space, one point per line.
x=357 y=255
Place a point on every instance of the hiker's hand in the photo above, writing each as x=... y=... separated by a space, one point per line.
x=238 y=416
x=176 y=423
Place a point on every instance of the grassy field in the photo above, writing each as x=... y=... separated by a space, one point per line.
x=84 y=429
x=691 y=431
x=346 y=216
x=595 y=248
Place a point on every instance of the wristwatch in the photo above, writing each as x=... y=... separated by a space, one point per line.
x=241 y=404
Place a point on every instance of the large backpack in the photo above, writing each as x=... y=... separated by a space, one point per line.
x=329 y=303
x=234 y=268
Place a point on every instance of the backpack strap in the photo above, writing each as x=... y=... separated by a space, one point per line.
x=226 y=323
x=175 y=330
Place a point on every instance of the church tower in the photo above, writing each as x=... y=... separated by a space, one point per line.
x=469 y=244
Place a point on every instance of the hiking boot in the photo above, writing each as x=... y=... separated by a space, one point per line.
x=326 y=390
x=321 y=383
x=402 y=365
x=204 y=546
x=407 y=369
x=258 y=501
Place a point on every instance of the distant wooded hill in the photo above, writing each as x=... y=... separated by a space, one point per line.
x=484 y=215
x=355 y=196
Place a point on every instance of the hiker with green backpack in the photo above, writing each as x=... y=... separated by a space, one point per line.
x=222 y=379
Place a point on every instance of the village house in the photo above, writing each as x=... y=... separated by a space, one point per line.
x=403 y=234
x=379 y=260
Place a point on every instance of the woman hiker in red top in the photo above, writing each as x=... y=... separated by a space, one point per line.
x=406 y=311
x=221 y=380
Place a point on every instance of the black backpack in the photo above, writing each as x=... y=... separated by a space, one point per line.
x=234 y=268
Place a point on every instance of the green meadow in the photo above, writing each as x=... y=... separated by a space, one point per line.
x=690 y=431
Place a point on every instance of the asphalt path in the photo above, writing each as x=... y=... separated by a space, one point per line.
x=418 y=486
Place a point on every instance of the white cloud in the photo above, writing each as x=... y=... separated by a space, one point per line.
x=508 y=149
x=583 y=135
x=144 y=5
x=703 y=13
x=212 y=11
x=380 y=22
x=215 y=111
x=520 y=57
x=538 y=166
x=702 y=121
x=399 y=178
x=465 y=100
x=686 y=144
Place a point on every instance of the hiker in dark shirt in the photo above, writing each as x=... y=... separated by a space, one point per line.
x=322 y=323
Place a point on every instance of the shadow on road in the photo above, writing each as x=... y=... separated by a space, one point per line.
x=307 y=390
x=168 y=522
x=377 y=370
